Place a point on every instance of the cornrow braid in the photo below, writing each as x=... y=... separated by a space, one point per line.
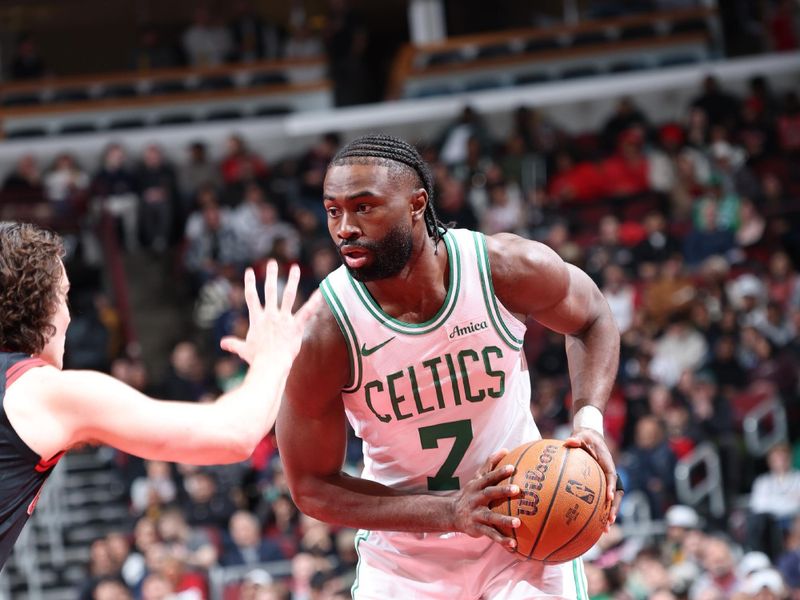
x=389 y=151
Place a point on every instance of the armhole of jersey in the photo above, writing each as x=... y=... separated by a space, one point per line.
x=12 y=374
x=348 y=332
x=493 y=307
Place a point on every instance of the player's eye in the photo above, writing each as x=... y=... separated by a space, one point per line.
x=364 y=208
x=333 y=212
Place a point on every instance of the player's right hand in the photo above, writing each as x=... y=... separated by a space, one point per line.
x=273 y=329
x=471 y=511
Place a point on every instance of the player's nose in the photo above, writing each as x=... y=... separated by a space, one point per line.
x=348 y=228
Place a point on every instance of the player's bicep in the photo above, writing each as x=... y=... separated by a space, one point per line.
x=577 y=309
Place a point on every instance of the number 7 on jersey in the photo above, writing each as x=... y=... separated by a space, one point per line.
x=429 y=437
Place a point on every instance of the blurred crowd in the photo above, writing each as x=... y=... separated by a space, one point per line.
x=692 y=231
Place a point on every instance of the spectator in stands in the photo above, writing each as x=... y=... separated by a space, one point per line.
x=65 y=183
x=100 y=567
x=253 y=38
x=240 y=166
x=608 y=250
x=186 y=377
x=195 y=174
x=709 y=237
x=751 y=228
x=453 y=141
x=185 y=582
x=346 y=39
x=150 y=52
x=680 y=520
x=159 y=198
x=155 y=490
x=719 y=107
x=720 y=575
x=206 y=505
x=620 y=296
x=658 y=244
x=650 y=464
x=680 y=348
x=110 y=588
x=789 y=124
x=27 y=63
x=303 y=41
x=504 y=211
x=157 y=587
x=783 y=282
x=205 y=43
x=116 y=192
x=210 y=241
x=789 y=562
x=774 y=502
x=782 y=26
x=725 y=367
x=626 y=116
x=312 y=168
x=244 y=544
x=24 y=183
x=540 y=135
x=258 y=226
x=451 y=201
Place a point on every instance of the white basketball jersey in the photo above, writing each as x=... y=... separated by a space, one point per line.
x=431 y=401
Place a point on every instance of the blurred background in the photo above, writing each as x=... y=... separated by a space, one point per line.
x=653 y=143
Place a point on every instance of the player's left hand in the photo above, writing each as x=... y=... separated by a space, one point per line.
x=594 y=444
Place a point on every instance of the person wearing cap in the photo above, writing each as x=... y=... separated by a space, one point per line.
x=680 y=520
x=766 y=584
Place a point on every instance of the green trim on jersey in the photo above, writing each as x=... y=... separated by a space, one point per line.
x=438 y=319
x=349 y=333
x=581 y=593
x=489 y=296
x=360 y=537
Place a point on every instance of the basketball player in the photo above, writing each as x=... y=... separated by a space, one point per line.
x=419 y=347
x=45 y=410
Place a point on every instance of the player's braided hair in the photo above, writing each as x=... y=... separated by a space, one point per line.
x=390 y=151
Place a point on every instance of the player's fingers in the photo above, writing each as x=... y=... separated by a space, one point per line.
x=250 y=293
x=233 y=345
x=496 y=457
x=500 y=492
x=611 y=488
x=495 y=476
x=290 y=290
x=498 y=521
x=271 y=285
x=496 y=536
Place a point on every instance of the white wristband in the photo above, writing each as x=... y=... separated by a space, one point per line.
x=589 y=417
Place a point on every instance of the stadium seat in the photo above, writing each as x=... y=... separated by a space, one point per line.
x=219 y=82
x=495 y=51
x=637 y=32
x=175 y=119
x=78 y=127
x=71 y=95
x=119 y=90
x=690 y=26
x=677 y=60
x=269 y=78
x=433 y=90
x=543 y=44
x=127 y=123
x=578 y=72
x=271 y=110
x=168 y=86
x=478 y=85
x=530 y=78
x=589 y=38
x=26 y=99
x=26 y=132
x=445 y=58
x=627 y=66
x=224 y=114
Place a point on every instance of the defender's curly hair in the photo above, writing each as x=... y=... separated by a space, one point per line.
x=390 y=151
x=30 y=271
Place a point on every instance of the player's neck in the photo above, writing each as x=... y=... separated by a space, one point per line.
x=418 y=291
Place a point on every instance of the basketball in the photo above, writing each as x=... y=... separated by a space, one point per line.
x=562 y=505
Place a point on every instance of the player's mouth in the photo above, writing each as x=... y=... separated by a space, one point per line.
x=354 y=257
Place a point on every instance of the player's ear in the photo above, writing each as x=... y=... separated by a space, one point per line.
x=419 y=201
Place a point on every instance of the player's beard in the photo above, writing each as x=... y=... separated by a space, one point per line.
x=389 y=255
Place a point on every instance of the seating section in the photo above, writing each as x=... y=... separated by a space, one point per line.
x=529 y=56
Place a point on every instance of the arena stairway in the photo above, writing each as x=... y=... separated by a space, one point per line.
x=84 y=499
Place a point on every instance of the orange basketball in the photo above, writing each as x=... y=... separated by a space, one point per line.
x=562 y=504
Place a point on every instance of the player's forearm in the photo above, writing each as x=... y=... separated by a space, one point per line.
x=250 y=410
x=364 y=504
x=593 y=357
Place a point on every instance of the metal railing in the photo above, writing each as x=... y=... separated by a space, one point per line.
x=764 y=426
x=694 y=489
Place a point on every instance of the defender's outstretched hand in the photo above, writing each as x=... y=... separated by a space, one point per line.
x=273 y=330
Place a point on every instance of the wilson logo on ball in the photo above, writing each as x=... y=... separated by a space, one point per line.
x=529 y=504
x=580 y=491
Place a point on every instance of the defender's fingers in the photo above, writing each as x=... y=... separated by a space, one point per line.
x=271 y=285
x=290 y=290
x=233 y=345
x=250 y=293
